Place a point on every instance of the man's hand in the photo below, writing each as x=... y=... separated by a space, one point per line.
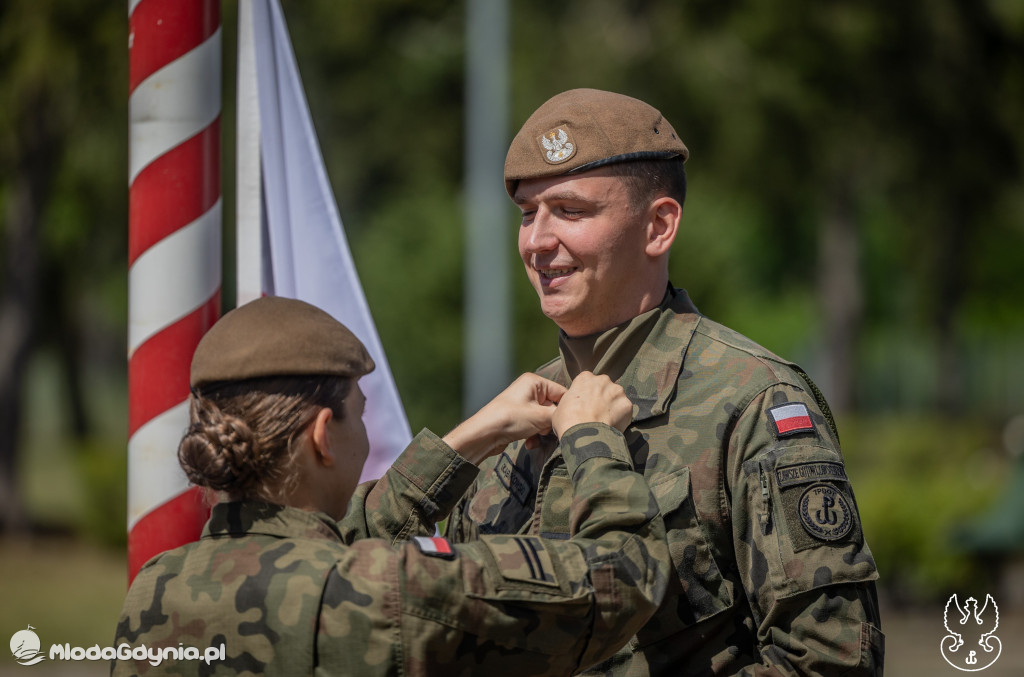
x=521 y=411
x=592 y=399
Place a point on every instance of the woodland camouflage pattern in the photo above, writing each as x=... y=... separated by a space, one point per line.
x=753 y=591
x=291 y=592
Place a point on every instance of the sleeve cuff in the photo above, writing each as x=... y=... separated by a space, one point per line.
x=585 y=441
x=436 y=470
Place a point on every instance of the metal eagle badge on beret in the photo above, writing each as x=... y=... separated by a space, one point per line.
x=825 y=512
x=558 y=146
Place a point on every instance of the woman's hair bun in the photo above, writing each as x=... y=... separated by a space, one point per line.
x=219 y=451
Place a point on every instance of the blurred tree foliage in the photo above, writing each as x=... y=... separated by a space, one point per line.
x=854 y=202
x=916 y=479
x=854 y=173
x=63 y=200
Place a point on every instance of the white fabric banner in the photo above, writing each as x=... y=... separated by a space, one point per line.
x=301 y=239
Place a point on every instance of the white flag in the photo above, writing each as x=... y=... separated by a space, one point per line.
x=290 y=238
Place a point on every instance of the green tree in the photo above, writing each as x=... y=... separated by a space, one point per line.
x=63 y=196
x=812 y=126
x=851 y=164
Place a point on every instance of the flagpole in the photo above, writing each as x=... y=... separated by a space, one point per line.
x=249 y=253
x=174 y=254
x=488 y=299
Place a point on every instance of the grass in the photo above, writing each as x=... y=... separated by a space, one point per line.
x=70 y=592
x=68 y=587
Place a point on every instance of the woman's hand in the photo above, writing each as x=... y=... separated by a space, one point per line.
x=592 y=399
x=521 y=411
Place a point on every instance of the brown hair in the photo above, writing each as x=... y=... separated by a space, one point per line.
x=647 y=180
x=240 y=433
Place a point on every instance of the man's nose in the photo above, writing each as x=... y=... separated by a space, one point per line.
x=542 y=236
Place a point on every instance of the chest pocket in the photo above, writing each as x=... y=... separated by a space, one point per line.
x=698 y=578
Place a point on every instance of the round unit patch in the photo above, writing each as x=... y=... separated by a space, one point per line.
x=825 y=512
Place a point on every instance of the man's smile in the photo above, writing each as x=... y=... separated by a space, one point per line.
x=554 y=277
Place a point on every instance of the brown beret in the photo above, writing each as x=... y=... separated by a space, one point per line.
x=274 y=336
x=583 y=129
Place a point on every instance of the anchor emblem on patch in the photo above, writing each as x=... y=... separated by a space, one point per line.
x=825 y=512
x=557 y=145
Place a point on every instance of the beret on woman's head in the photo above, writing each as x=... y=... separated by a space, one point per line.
x=274 y=336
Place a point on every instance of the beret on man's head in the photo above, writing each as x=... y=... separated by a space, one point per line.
x=274 y=336
x=583 y=129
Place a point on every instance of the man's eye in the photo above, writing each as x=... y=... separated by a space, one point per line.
x=572 y=213
x=528 y=214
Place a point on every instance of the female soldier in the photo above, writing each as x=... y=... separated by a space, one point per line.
x=277 y=586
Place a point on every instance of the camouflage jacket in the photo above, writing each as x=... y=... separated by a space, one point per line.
x=290 y=592
x=771 y=571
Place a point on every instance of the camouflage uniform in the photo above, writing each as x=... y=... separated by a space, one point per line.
x=772 y=574
x=290 y=592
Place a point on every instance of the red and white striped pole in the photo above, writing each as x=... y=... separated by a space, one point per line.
x=174 y=254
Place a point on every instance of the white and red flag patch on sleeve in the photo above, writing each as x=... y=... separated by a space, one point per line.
x=790 y=419
x=434 y=546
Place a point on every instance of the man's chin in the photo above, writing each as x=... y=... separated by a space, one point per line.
x=565 y=318
x=553 y=312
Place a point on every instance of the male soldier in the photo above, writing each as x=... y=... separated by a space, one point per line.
x=772 y=574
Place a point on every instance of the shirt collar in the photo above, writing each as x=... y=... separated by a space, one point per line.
x=241 y=518
x=608 y=352
x=648 y=372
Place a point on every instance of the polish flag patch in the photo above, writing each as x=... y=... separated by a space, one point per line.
x=790 y=419
x=435 y=546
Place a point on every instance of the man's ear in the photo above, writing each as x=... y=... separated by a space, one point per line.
x=320 y=437
x=662 y=226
